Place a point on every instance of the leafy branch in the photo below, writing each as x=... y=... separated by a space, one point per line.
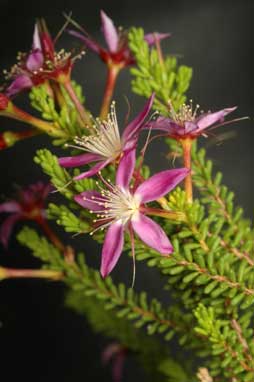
x=167 y=80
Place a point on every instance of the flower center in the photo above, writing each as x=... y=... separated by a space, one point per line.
x=116 y=204
x=106 y=140
x=186 y=113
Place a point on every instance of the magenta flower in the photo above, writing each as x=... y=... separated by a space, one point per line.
x=117 y=51
x=115 y=353
x=30 y=205
x=40 y=64
x=106 y=145
x=187 y=124
x=119 y=207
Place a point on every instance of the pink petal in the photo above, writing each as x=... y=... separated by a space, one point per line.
x=210 y=118
x=34 y=61
x=36 y=38
x=126 y=168
x=132 y=129
x=94 y=170
x=110 y=32
x=20 y=83
x=189 y=127
x=160 y=184
x=7 y=227
x=90 y=43
x=151 y=38
x=151 y=234
x=117 y=367
x=85 y=199
x=11 y=206
x=163 y=124
x=78 y=160
x=110 y=351
x=112 y=248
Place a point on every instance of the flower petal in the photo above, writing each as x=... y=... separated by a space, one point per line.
x=20 y=83
x=160 y=184
x=151 y=38
x=36 y=38
x=112 y=248
x=151 y=234
x=89 y=42
x=126 y=168
x=164 y=124
x=132 y=128
x=35 y=60
x=7 y=227
x=11 y=206
x=209 y=119
x=78 y=160
x=94 y=170
x=85 y=199
x=109 y=32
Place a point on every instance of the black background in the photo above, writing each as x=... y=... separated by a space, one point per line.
x=40 y=340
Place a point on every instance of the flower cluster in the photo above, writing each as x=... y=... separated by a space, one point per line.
x=121 y=206
x=42 y=63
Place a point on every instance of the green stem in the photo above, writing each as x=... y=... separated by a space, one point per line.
x=85 y=118
x=171 y=215
x=112 y=74
x=8 y=273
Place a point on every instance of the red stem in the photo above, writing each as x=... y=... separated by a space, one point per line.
x=186 y=144
x=85 y=118
x=51 y=235
x=112 y=74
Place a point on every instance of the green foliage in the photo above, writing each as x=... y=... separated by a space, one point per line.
x=166 y=79
x=229 y=347
x=116 y=306
x=64 y=115
x=67 y=219
x=212 y=264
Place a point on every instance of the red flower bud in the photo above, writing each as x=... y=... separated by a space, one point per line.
x=3 y=101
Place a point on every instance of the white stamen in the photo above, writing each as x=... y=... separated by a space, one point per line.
x=186 y=113
x=106 y=140
x=119 y=205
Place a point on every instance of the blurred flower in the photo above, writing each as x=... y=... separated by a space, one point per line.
x=119 y=207
x=30 y=205
x=40 y=64
x=8 y=138
x=105 y=145
x=186 y=123
x=115 y=353
x=4 y=102
x=117 y=51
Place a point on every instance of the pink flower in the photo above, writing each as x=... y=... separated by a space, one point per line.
x=117 y=51
x=115 y=353
x=106 y=145
x=187 y=124
x=42 y=63
x=30 y=205
x=121 y=208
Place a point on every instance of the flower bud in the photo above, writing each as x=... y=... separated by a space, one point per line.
x=4 y=101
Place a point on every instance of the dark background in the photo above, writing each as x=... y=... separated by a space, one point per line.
x=40 y=340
